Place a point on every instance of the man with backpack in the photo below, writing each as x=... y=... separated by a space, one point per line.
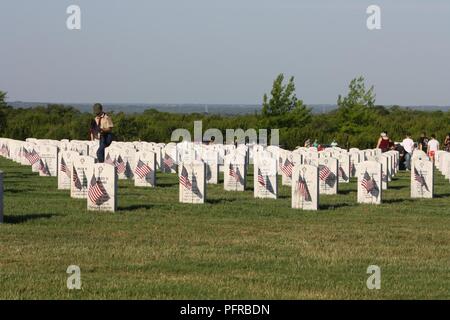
x=101 y=129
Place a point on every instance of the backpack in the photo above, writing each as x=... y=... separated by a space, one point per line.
x=106 y=137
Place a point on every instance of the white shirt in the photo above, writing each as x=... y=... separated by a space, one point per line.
x=408 y=144
x=433 y=145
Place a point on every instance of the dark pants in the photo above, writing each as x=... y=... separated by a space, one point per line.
x=105 y=141
x=101 y=150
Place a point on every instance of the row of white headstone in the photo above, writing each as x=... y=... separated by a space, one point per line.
x=308 y=171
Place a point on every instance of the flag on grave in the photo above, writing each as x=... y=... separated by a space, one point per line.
x=420 y=179
x=97 y=192
x=142 y=169
x=76 y=179
x=324 y=173
x=368 y=183
x=287 y=167
x=184 y=179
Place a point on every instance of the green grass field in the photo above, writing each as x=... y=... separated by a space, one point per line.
x=233 y=247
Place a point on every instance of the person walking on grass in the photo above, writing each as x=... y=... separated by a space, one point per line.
x=101 y=129
x=433 y=147
x=408 y=145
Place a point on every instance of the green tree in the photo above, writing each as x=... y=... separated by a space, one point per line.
x=283 y=109
x=356 y=110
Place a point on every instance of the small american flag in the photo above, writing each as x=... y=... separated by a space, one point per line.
x=120 y=165
x=84 y=181
x=261 y=179
x=367 y=182
x=420 y=179
x=287 y=167
x=184 y=179
x=324 y=173
x=43 y=168
x=168 y=161
x=302 y=188
x=64 y=168
x=234 y=173
x=108 y=160
x=142 y=169
x=97 y=192
x=76 y=179
x=32 y=156
x=4 y=150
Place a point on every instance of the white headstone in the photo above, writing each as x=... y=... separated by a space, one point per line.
x=328 y=176
x=286 y=165
x=211 y=159
x=354 y=160
x=344 y=167
x=369 y=182
x=235 y=173
x=128 y=156
x=311 y=158
x=102 y=190
x=265 y=178
x=145 y=169
x=192 y=182
x=65 y=163
x=170 y=158
x=305 y=187
x=81 y=167
x=384 y=165
x=422 y=180
x=48 y=164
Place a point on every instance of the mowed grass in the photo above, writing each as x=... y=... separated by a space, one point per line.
x=233 y=247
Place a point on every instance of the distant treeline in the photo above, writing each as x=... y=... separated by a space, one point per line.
x=356 y=123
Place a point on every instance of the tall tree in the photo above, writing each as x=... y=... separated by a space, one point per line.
x=356 y=110
x=284 y=103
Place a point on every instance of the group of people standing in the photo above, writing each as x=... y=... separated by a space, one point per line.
x=428 y=145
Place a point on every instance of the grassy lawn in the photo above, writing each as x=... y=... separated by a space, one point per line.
x=233 y=247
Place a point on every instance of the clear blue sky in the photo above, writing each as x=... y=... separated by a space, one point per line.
x=227 y=51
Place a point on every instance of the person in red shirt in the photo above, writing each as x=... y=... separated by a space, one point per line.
x=384 y=143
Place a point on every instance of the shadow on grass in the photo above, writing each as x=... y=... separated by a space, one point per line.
x=333 y=206
x=11 y=190
x=166 y=185
x=346 y=191
x=17 y=219
x=220 y=200
x=442 y=195
x=396 y=187
x=397 y=200
x=135 y=207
